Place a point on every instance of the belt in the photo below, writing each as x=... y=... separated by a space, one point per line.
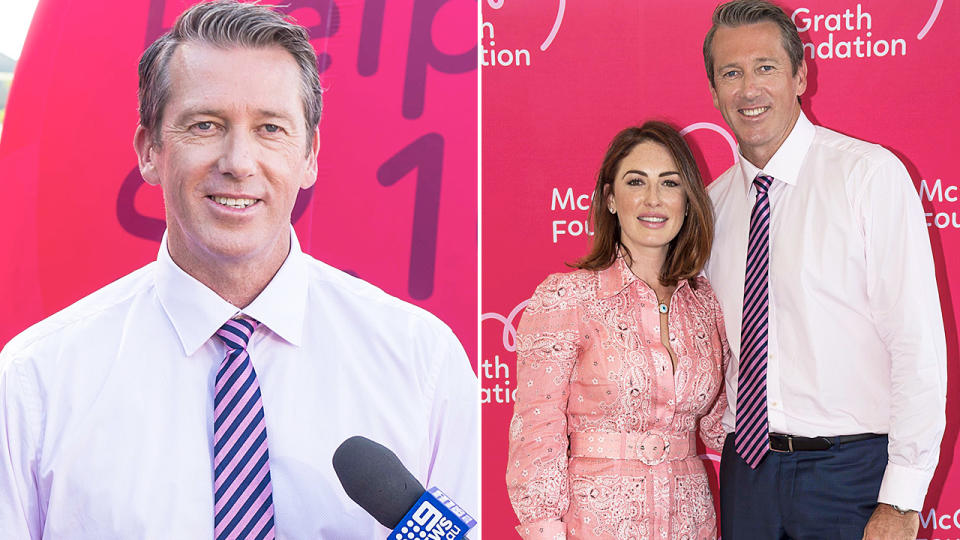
x=792 y=443
x=649 y=447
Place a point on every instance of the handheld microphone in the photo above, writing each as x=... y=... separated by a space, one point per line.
x=374 y=478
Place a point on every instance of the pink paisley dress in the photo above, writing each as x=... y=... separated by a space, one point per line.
x=603 y=436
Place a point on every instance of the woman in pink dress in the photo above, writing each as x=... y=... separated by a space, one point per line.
x=620 y=363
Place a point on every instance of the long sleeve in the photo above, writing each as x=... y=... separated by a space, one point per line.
x=547 y=349
x=905 y=305
x=20 y=417
x=711 y=427
x=455 y=427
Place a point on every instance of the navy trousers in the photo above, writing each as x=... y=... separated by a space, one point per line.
x=815 y=495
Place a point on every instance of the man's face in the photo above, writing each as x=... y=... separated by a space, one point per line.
x=755 y=89
x=232 y=154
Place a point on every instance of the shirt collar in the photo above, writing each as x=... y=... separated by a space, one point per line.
x=785 y=163
x=618 y=276
x=197 y=312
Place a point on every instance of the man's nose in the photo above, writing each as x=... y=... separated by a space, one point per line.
x=237 y=157
x=751 y=86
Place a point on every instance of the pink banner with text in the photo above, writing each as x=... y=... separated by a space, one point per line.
x=396 y=198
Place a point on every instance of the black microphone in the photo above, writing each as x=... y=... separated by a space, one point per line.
x=374 y=478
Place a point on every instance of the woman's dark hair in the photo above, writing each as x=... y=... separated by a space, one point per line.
x=689 y=250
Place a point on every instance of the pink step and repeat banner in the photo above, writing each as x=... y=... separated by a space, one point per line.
x=396 y=198
x=560 y=79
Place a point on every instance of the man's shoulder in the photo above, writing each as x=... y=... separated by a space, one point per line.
x=852 y=149
x=386 y=333
x=368 y=302
x=91 y=312
x=725 y=177
x=721 y=184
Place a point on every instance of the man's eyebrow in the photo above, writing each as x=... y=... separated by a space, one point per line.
x=268 y=113
x=263 y=113
x=755 y=60
x=199 y=112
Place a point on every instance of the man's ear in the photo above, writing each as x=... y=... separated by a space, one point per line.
x=801 y=77
x=311 y=174
x=146 y=155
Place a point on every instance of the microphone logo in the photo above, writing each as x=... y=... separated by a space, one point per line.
x=434 y=517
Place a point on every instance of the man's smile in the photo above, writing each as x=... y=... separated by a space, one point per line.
x=233 y=202
x=753 y=112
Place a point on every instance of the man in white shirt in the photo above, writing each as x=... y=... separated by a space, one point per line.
x=844 y=381
x=134 y=414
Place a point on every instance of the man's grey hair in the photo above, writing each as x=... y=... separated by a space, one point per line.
x=742 y=12
x=227 y=23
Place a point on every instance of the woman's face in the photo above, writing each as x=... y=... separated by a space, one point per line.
x=649 y=199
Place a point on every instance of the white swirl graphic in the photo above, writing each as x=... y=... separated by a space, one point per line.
x=931 y=20
x=713 y=127
x=497 y=4
x=711 y=457
x=556 y=25
x=509 y=330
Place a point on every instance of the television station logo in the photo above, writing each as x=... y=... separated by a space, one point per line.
x=848 y=33
x=492 y=55
x=434 y=517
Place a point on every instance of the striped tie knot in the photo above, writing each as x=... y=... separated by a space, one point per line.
x=762 y=182
x=236 y=332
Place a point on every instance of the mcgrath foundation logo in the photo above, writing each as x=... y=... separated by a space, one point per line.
x=853 y=33
x=492 y=55
x=496 y=383
x=941 y=195
x=940 y=523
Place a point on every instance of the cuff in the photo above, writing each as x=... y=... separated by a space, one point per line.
x=904 y=487
x=545 y=529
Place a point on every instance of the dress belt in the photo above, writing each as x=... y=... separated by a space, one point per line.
x=650 y=447
x=780 y=442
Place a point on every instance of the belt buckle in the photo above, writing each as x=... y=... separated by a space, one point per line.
x=652 y=448
x=789 y=439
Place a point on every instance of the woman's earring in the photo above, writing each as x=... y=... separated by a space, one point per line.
x=612 y=210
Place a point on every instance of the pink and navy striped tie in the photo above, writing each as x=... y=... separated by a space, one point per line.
x=243 y=496
x=752 y=434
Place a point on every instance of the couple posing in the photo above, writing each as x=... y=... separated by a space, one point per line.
x=812 y=352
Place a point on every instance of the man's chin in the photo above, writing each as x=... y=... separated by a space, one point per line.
x=221 y=248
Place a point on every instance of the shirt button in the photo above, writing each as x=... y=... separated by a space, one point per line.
x=775 y=404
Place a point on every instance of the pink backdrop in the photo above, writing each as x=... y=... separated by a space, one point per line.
x=560 y=79
x=396 y=198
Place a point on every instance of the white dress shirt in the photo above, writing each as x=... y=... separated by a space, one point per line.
x=106 y=408
x=856 y=340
